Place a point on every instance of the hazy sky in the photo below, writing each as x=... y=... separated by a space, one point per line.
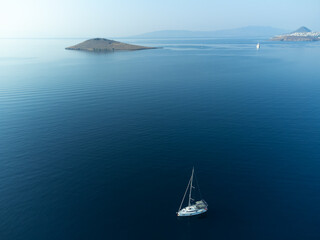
x=116 y=18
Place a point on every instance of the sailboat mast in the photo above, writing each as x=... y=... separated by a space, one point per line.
x=185 y=193
x=191 y=180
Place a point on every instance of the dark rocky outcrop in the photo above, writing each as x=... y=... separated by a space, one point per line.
x=105 y=45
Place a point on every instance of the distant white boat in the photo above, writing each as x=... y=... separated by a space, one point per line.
x=258 y=46
x=193 y=208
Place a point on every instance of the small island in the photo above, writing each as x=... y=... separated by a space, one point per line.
x=302 y=34
x=106 y=45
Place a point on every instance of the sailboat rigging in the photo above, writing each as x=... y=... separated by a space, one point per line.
x=198 y=208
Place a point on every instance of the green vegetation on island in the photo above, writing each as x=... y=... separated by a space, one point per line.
x=105 y=45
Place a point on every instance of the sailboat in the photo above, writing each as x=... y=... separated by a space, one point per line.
x=258 y=45
x=193 y=208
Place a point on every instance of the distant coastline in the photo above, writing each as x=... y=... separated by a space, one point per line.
x=302 y=34
x=244 y=32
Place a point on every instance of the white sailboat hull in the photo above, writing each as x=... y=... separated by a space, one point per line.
x=191 y=211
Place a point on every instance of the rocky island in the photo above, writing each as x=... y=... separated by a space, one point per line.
x=300 y=35
x=106 y=45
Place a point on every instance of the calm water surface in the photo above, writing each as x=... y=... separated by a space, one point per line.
x=101 y=146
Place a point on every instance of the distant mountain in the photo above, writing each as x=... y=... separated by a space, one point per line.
x=103 y=45
x=250 y=31
x=302 y=29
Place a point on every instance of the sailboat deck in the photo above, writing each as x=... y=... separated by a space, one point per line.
x=191 y=211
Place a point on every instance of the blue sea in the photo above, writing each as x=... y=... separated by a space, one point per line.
x=101 y=146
